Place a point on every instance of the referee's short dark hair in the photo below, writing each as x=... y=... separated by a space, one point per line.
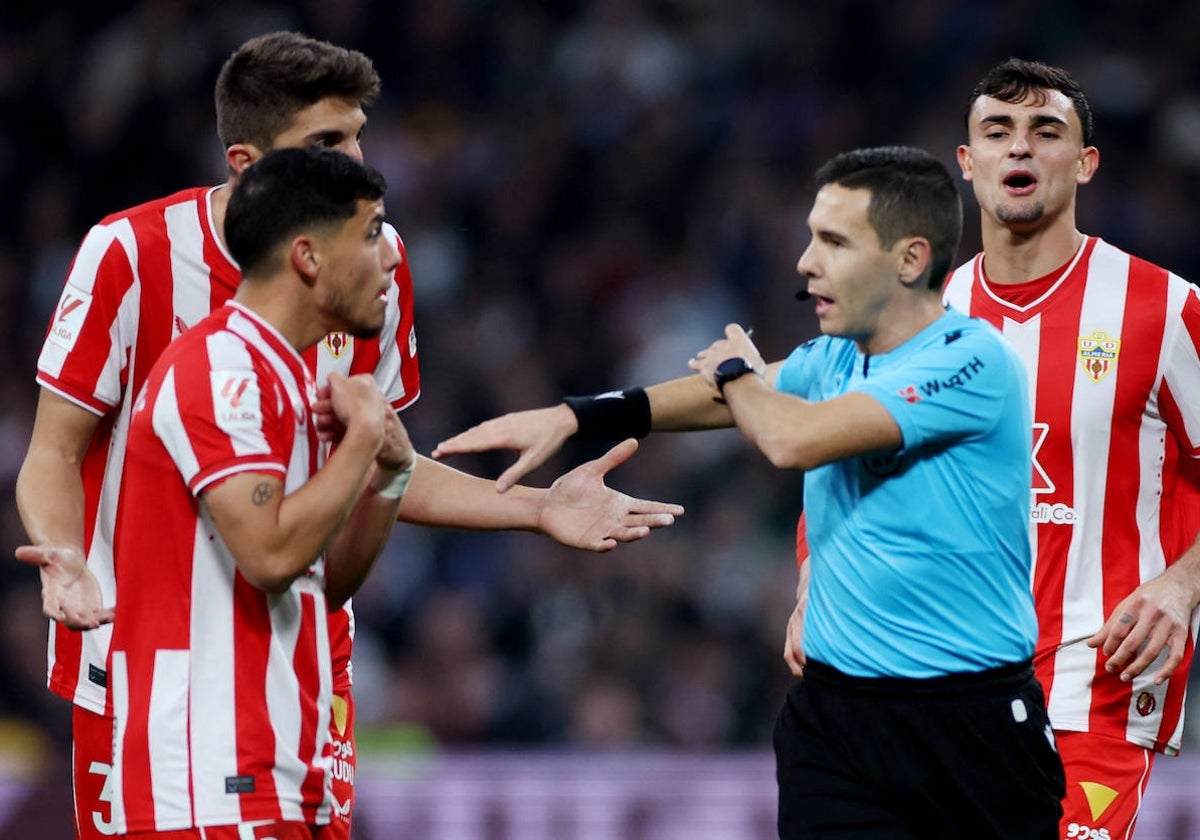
x=912 y=194
x=290 y=191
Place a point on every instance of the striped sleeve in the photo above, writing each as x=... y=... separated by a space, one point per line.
x=86 y=350
x=221 y=419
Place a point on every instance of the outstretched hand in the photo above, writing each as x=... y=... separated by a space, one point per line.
x=536 y=434
x=1154 y=617
x=581 y=511
x=70 y=592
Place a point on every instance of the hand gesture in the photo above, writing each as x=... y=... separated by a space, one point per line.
x=356 y=401
x=535 y=434
x=397 y=451
x=70 y=592
x=793 y=643
x=580 y=511
x=736 y=344
x=329 y=428
x=1155 y=616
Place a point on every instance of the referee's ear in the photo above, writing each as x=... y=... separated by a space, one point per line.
x=914 y=254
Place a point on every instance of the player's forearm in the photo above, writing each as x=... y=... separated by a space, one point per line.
x=360 y=540
x=442 y=497
x=50 y=499
x=308 y=519
x=1186 y=572
x=684 y=405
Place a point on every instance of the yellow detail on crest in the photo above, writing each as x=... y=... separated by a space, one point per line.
x=340 y=712
x=1099 y=797
x=1098 y=354
x=337 y=343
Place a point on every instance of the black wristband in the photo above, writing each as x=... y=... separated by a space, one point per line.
x=615 y=415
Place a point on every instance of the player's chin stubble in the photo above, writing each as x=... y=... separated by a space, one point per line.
x=1030 y=213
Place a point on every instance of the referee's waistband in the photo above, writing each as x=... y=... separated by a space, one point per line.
x=1012 y=675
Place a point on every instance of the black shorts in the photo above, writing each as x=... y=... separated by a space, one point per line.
x=968 y=755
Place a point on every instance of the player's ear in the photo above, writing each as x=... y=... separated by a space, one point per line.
x=965 y=163
x=239 y=156
x=305 y=259
x=1089 y=162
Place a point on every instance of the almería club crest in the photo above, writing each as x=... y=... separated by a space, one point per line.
x=1098 y=354
x=337 y=343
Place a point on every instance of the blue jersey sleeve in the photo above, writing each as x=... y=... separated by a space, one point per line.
x=811 y=370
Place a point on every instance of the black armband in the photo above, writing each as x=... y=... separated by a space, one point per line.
x=614 y=415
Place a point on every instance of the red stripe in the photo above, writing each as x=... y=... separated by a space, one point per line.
x=1143 y=321
x=307 y=664
x=137 y=788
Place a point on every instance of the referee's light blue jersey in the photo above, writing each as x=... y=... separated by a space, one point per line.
x=920 y=557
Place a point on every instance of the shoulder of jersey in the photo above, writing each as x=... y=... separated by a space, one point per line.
x=157 y=205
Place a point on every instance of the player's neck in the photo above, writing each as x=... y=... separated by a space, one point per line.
x=285 y=303
x=1017 y=256
x=220 y=203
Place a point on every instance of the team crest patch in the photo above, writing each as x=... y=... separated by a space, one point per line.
x=1146 y=704
x=1098 y=354
x=337 y=343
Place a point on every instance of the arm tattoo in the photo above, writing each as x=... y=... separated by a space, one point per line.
x=262 y=494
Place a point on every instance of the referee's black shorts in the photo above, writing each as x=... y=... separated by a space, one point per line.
x=967 y=755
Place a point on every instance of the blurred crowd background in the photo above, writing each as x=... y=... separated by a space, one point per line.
x=588 y=190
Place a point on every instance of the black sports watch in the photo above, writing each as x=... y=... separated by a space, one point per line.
x=729 y=370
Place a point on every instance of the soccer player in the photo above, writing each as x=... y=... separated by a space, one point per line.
x=142 y=277
x=230 y=536
x=1112 y=345
x=919 y=714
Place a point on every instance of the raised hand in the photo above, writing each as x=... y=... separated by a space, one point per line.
x=536 y=434
x=581 y=511
x=70 y=592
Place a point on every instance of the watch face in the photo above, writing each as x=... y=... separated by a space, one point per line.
x=729 y=370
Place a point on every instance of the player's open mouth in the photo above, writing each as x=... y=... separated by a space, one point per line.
x=1020 y=183
x=823 y=303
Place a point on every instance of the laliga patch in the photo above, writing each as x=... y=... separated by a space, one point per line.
x=337 y=343
x=69 y=316
x=1098 y=354
x=236 y=402
x=412 y=341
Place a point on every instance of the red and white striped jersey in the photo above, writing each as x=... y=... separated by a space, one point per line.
x=1112 y=344
x=221 y=692
x=141 y=278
